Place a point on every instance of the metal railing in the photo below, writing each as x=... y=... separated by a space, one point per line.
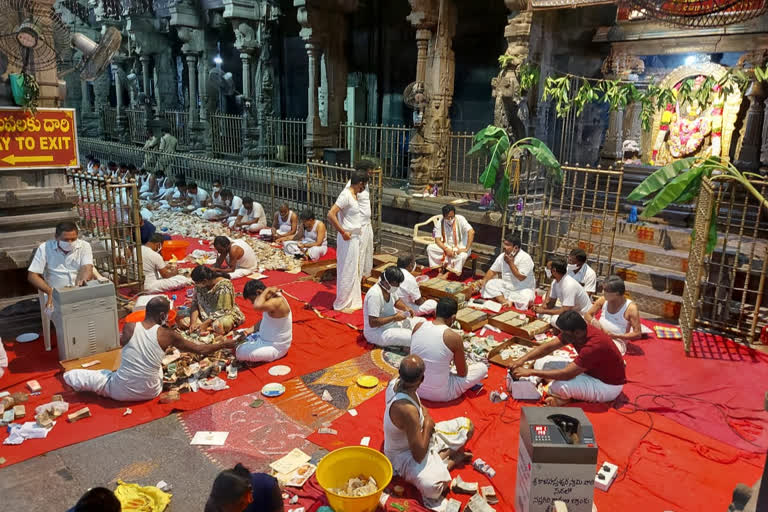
x=287 y=136
x=137 y=125
x=178 y=123
x=269 y=185
x=387 y=145
x=108 y=122
x=725 y=290
x=226 y=134
x=109 y=217
x=463 y=174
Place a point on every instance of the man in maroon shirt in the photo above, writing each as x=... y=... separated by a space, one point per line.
x=597 y=373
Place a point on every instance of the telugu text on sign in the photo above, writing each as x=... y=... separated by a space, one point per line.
x=45 y=140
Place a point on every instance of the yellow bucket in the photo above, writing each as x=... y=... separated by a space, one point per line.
x=336 y=468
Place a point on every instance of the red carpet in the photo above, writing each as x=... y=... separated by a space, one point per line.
x=318 y=343
x=670 y=468
x=321 y=296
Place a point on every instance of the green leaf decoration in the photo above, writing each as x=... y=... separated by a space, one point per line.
x=660 y=178
x=691 y=192
x=544 y=156
x=671 y=192
x=501 y=193
x=712 y=235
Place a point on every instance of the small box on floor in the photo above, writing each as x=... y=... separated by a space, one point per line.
x=605 y=476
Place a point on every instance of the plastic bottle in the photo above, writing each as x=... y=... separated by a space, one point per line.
x=173 y=301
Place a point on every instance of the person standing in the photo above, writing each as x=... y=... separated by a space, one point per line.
x=59 y=263
x=366 y=230
x=347 y=217
x=453 y=242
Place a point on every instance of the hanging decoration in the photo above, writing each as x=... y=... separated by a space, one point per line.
x=693 y=13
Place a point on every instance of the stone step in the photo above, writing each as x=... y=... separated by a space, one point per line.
x=646 y=233
x=27 y=238
x=660 y=279
x=654 y=302
x=632 y=252
x=28 y=221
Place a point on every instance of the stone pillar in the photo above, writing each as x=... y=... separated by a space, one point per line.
x=435 y=23
x=245 y=57
x=506 y=86
x=121 y=119
x=145 y=74
x=192 y=77
x=612 y=150
x=85 y=97
x=747 y=157
x=313 y=108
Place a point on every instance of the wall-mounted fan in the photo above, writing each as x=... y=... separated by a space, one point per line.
x=32 y=36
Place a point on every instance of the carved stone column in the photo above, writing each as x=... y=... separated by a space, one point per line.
x=145 y=60
x=435 y=23
x=121 y=119
x=323 y=25
x=747 y=156
x=508 y=112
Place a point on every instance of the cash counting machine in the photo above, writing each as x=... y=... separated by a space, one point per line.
x=556 y=460
x=86 y=320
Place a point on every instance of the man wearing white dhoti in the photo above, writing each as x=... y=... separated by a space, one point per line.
x=453 y=242
x=140 y=376
x=284 y=224
x=565 y=289
x=217 y=209
x=439 y=346
x=313 y=236
x=619 y=317
x=421 y=451
x=197 y=197
x=160 y=276
x=347 y=217
x=366 y=233
x=386 y=320
x=580 y=271
x=251 y=217
x=409 y=291
x=510 y=280
x=231 y=208
x=235 y=257
x=596 y=375
x=271 y=338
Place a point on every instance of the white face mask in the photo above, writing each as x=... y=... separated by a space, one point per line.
x=450 y=221
x=228 y=202
x=573 y=268
x=217 y=189
x=66 y=246
x=548 y=273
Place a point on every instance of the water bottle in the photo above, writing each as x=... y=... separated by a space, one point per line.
x=173 y=300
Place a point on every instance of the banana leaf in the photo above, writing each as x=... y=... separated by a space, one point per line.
x=660 y=178
x=501 y=194
x=712 y=235
x=671 y=192
x=691 y=191
x=544 y=156
x=488 y=178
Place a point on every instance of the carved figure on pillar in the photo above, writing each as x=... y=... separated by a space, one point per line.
x=510 y=110
x=435 y=67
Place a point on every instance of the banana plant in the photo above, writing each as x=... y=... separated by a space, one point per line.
x=494 y=142
x=680 y=182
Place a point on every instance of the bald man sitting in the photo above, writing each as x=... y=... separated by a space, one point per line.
x=421 y=451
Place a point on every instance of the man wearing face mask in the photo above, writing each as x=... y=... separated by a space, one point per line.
x=453 y=242
x=160 y=276
x=409 y=291
x=565 y=289
x=510 y=279
x=140 y=376
x=271 y=338
x=59 y=263
x=230 y=208
x=217 y=207
x=580 y=271
x=383 y=325
x=197 y=198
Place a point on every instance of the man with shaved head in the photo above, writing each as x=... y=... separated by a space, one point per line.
x=421 y=451
x=140 y=376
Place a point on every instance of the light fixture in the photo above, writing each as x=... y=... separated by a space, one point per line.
x=217 y=60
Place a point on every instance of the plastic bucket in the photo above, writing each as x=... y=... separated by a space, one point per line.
x=138 y=316
x=336 y=468
x=176 y=248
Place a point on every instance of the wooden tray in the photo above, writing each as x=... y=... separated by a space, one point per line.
x=320 y=270
x=494 y=356
x=471 y=319
x=109 y=360
x=511 y=323
x=384 y=259
x=377 y=271
x=437 y=288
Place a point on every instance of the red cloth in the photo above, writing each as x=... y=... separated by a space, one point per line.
x=600 y=357
x=669 y=468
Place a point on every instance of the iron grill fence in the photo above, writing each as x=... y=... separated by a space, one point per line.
x=386 y=145
x=109 y=217
x=725 y=290
x=108 y=122
x=463 y=174
x=178 y=123
x=285 y=140
x=137 y=125
x=226 y=134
